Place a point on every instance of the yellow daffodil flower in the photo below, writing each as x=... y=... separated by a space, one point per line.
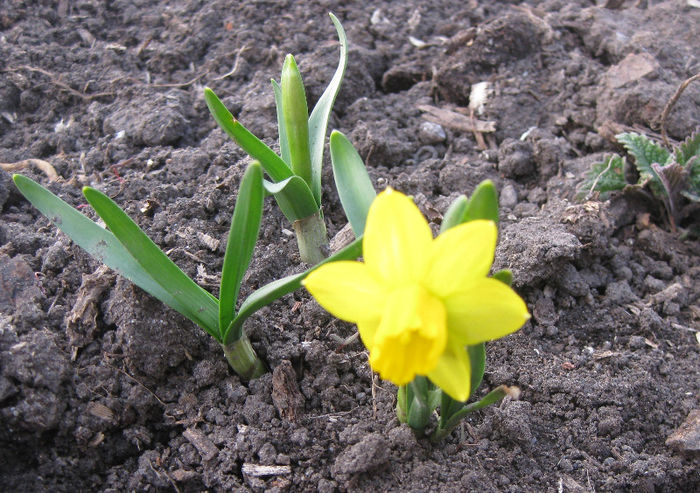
x=418 y=301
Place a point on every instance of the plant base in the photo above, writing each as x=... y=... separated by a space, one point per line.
x=312 y=238
x=242 y=358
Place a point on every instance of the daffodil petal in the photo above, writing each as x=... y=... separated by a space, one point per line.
x=489 y=309
x=397 y=238
x=460 y=255
x=453 y=373
x=348 y=290
x=367 y=330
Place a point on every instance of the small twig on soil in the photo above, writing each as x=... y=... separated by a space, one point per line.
x=181 y=84
x=42 y=165
x=374 y=391
x=114 y=168
x=671 y=103
x=158 y=473
x=595 y=182
x=235 y=64
x=339 y=413
x=456 y=120
x=137 y=381
x=59 y=84
x=343 y=341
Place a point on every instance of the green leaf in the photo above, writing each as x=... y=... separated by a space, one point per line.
x=434 y=397
x=284 y=146
x=352 y=181
x=455 y=414
x=483 y=203
x=477 y=360
x=293 y=197
x=256 y=148
x=688 y=149
x=645 y=153
x=192 y=301
x=455 y=213
x=402 y=403
x=105 y=247
x=505 y=276
x=448 y=408
x=492 y=397
x=418 y=409
x=242 y=237
x=276 y=289
x=605 y=177
x=318 y=121
x=694 y=177
x=295 y=115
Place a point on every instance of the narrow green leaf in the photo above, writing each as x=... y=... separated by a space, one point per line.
x=352 y=181
x=434 y=397
x=318 y=121
x=105 y=247
x=492 y=397
x=284 y=146
x=295 y=115
x=448 y=424
x=242 y=237
x=448 y=408
x=483 y=203
x=455 y=213
x=276 y=289
x=195 y=303
x=418 y=409
x=294 y=197
x=477 y=360
x=256 y=148
x=402 y=403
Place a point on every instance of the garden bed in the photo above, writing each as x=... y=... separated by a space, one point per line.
x=103 y=388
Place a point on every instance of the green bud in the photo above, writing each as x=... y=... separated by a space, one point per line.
x=296 y=117
x=483 y=203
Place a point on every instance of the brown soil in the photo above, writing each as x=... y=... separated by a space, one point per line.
x=104 y=389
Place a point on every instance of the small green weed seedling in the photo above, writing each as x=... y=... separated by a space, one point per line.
x=672 y=176
x=424 y=307
x=127 y=250
x=295 y=174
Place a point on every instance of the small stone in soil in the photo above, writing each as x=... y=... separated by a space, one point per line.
x=687 y=437
x=204 y=446
x=370 y=453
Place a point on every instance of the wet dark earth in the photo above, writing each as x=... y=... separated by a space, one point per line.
x=102 y=388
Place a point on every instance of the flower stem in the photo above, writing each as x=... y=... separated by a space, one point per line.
x=412 y=406
x=312 y=238
x=402 y=404
x=242 y=358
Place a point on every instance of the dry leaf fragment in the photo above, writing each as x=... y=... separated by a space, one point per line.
x=40 y=164
x=457 y=121
x=633 y=67
x=286 y=395
x=257 y=470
